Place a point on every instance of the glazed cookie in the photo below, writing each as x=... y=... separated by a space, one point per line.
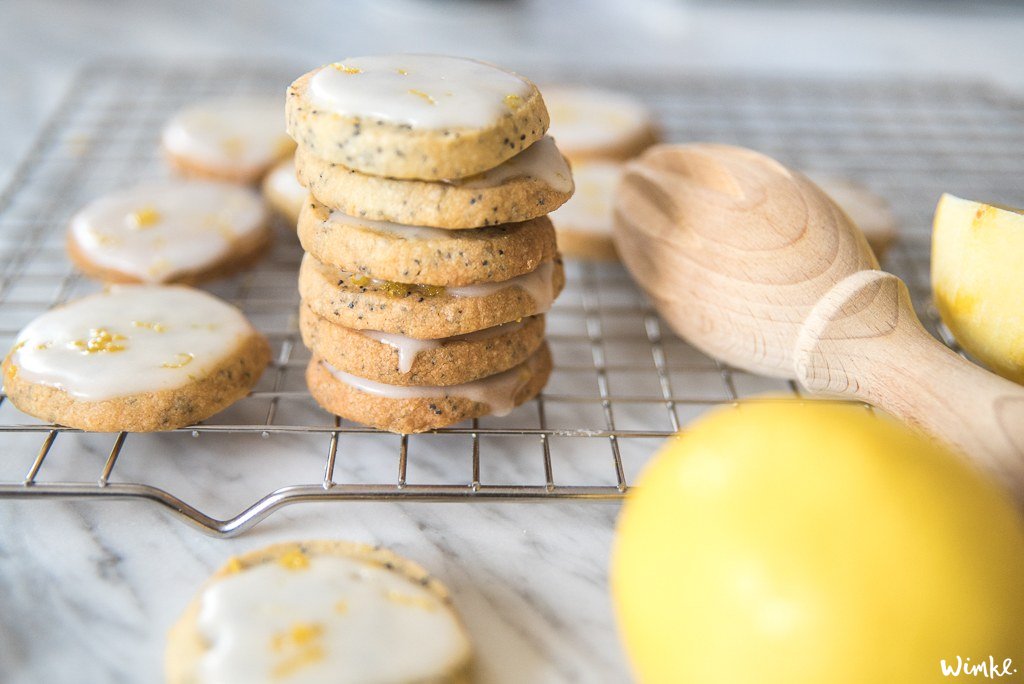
x=590 y=123
x=184 y=232
x=584 y=223
x=868 y=211
x=408 y=410
x=427 y=256
x=137 y=358
x=319 y=611
x=425 y=311
x=283 y=191
x=399 y=360
x=530 y=184
x=427 y=117
x=233 y=139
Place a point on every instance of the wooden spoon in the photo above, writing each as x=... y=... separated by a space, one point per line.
x=753 y=264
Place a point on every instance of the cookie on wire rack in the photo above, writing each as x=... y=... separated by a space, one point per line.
x=530 y=184
x=139 y=358
x=426 y=117
x=595 y=123
x=412 y=409
x=584 y=223
x=397 y=359
x=424 y=255
x=235 y=139
x=170 y=232
x=283 y=191
x=423 y=311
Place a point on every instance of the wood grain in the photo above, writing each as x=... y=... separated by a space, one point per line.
x=863 y=340
x=753 y=264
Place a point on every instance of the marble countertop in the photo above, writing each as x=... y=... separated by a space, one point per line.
x=93 y=602
x=88 y=590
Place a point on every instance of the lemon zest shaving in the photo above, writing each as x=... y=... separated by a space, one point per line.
x=146 y=217
x=99 y=340
x=182 y=360
x=294 y=559
x=346 y=69
x=408 y=600
x=423 y=95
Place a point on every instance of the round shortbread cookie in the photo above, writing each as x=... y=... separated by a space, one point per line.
x=425 y=311
x=584 y=223
x=426 y=256
x=172 y=231
x=407 y=410
x=428 y=117
x=871 y=213
x=400 y=360
x=137 y=358
x=233 y=138
x=590 y=123
x=530 y=184
x=283 y=191
x=319 y=611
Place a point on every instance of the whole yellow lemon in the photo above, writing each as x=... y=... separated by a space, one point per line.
x=788 y=542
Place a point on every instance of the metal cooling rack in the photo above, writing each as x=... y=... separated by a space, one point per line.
x=622 y=381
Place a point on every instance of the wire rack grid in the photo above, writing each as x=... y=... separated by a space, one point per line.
x=622 y=381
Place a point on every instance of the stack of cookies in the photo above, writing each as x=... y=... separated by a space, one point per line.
x=430 y=261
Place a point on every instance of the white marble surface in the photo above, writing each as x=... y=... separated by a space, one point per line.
x=88 y=591
x=92 y=602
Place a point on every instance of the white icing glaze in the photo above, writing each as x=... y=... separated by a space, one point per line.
x=156 y=231
x=156 y=338
x=590 y=207
x=587 y=118
x=243 y=134
x=409 y=347
x=399 y=230
x=282 y=181
x=490 y=333
x=338 y=620
x=541 y=160
x=425 y=91
x=868 y=211
x=497 y=392
x=538 y=283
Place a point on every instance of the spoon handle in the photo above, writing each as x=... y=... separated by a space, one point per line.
x=863 y=340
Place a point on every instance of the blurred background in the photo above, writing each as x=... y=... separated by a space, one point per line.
x=43 y=42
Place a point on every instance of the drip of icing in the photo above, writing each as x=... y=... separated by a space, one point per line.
x=229 y=133
x=409 y=347
x=399 y=230
x=334 y=620
x=153 y=338
x=497 y=392
x=538 y=283
x=541 y=160
x=590 y=207
x=587 y=118
x=425 y=91
x=188 y=226
x=283 y=181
